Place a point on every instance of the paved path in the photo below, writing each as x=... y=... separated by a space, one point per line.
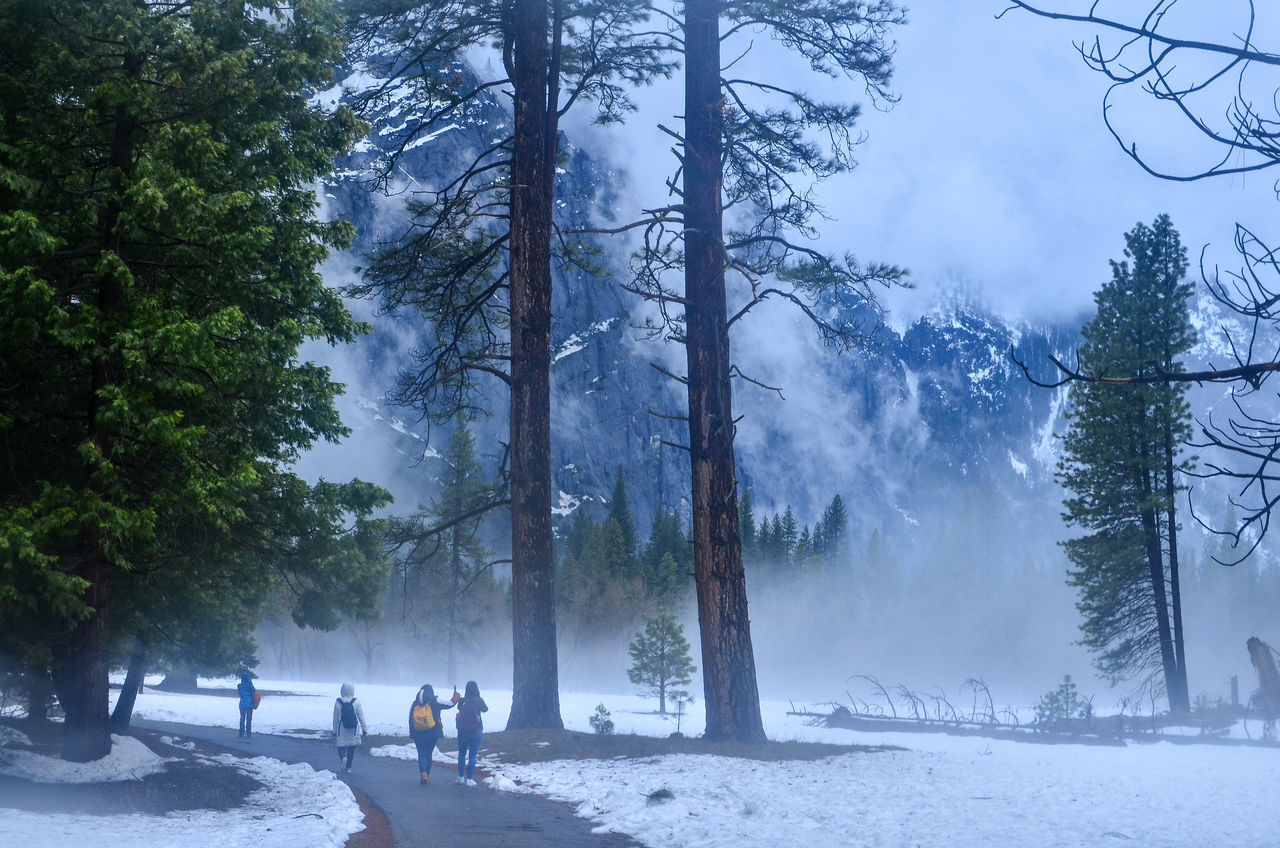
x=438 y=814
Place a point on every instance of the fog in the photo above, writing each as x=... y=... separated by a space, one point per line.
x=994 y=174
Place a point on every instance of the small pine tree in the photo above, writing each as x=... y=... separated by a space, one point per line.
x=601 y=720
x=660 y=656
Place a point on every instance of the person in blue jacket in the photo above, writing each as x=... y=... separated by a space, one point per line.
x=425 y=728
x=246 y=690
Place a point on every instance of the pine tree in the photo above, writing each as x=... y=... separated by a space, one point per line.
x=1121 y=458
x=667 y=562
x=479 y=256
x=579 y=532
x=804 y=545
x=620 y=513
x=660 y=658
x=835 y=531
x=158 y=270
x=442 y=558
x=790 y=538
x=668 y=582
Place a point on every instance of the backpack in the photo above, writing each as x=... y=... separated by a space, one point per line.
x=424 y=718
x=349 y=714
x=468 y=717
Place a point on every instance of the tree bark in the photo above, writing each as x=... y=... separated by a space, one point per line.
x=535 y=697
x=123 y=714
x=81 y=674
x=728 y=663
x=1159 y=593
x=1183 y=690
x=39 y=694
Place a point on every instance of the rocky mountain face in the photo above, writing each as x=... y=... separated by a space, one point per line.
x=903 y=431
x=941 y=449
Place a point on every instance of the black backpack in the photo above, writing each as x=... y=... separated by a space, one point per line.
x=349 y=714
x=467 y=718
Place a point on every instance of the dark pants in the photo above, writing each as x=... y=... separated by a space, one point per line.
x=348 y=753
x=246 y=721
x=426 y=744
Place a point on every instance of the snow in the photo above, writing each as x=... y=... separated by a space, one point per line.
x=129 y=760
x=297 y=805
x=1019 y=467
x=937 y=790
x=577 y=342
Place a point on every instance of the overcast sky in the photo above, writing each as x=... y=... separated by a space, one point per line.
x=995 y=172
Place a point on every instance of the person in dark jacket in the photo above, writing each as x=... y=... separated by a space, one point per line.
x=246 y=690
x=470 y=732
x=425 y=728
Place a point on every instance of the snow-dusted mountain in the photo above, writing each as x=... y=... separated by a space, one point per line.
x=941 y=450
x=899 y=430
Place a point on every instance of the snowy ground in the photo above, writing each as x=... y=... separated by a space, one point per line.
x=942 y=791
x=280 y=815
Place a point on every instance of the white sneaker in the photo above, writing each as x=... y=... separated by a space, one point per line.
x=472 y=783
x=462 y=781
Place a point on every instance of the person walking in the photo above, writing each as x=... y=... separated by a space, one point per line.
x=470 y=732
x=246 y=690
x=348 y=725
x=425 y=728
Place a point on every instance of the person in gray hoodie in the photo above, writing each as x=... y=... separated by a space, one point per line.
x=348 y=725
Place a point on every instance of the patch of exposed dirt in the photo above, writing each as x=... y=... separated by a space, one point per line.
x=534 y=746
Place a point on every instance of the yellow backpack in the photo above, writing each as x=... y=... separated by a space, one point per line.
x=424 y=718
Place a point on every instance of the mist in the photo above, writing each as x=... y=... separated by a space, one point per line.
x=953 y=569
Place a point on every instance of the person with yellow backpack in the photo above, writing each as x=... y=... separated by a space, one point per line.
x=425 y=728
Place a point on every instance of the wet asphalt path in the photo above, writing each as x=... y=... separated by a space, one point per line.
x=437 y=814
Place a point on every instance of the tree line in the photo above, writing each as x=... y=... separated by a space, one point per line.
x=157 y=159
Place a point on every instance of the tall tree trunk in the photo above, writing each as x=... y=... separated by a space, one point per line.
x=728 y=663
x=39 y=694
x=123 y=714
x=1155 y=571
x=81 y=676
x=455 y=564
x=1179 y=685
x=535 y=696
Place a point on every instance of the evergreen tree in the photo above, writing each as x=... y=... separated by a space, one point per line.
x=620 y=514
x=1120 y=462
x=668 y=582
x=579 y=532
x=442 y=558
x=789 y=537
x=835 y=530
x=754 y=145
x=660 y=658
x=819 y=539
x=477 y=264
x=667 y=561
x=158 y=270
x=804 y=545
